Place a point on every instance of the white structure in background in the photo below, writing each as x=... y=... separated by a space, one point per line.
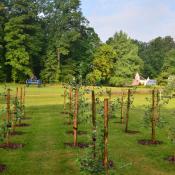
x=141 y=81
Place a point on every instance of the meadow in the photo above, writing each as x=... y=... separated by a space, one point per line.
x=44 y=152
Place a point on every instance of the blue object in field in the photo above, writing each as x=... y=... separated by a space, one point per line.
x=151 y=83
x=30 y=81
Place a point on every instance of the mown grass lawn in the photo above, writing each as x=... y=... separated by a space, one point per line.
x=44 y=152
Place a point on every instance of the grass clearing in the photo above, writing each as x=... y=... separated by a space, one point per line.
x=44 y=152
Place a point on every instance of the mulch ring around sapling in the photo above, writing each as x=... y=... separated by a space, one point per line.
x=22 y=125
x=12 y=145
x=16 y=133
x=2 y=168
x=171 y=159
x=79 y=132
x=149 y=142
x=132 y=132
x=79 y=145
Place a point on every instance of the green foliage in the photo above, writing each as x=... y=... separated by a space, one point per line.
x=168 y=68
x=154 y=53
x=126 y=62
x=102 y=64
x=22 y=38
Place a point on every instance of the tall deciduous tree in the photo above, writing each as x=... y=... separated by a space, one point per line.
x=153 y=54
x=3 y=19
x=127 y=62
x=65 y=20
x=22 y=36
x=168 y=68
x=102 y=65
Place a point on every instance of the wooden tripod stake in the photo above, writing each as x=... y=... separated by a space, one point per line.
x=105 y=159
x=75 y=122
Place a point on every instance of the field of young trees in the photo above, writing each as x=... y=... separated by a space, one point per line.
x=86 y=130
x=84 y=117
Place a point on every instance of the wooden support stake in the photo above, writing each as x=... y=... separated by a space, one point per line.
x=70 y=103
x=64 y=101
x=105 y=158
x=94 y=123
x=21 y=98
x=24 y=95
x=8 y=114
x=153 y=120
x=157 y=105
x=8 y=105
x=122 y=108
x=75 y=122
x=128 y=109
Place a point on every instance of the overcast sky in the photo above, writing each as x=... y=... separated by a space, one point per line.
x=140 y=19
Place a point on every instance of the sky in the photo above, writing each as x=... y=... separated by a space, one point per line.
x=143 y=20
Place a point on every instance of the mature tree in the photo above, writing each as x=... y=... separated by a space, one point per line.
x=102 y=65
x=65 y=19
x=127 y=62
x=153 y=55
x=3 y=19
x=168 y=68
x=81 y=55
x=23 y=39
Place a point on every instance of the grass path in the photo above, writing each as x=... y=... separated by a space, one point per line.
x=44 y=151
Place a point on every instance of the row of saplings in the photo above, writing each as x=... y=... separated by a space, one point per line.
x=96 y=108
x=12 y=112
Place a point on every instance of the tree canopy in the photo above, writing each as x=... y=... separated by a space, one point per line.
x=54 y=41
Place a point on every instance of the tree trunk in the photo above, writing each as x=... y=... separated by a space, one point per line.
x=105 y=158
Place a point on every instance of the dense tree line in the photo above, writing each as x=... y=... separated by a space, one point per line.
x=53 y=41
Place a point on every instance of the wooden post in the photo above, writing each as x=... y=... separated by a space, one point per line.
x=94 y=123
x=153 y=133
x=75 y=122
x=17 y=92
x=105 y=158
x=122 y=110
x=24 y=95
x=8 y=114
x=157 y=105
x=64 y=101
x=70 y=103
x=128 y=109
x=21 y=98
x=8 y=105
